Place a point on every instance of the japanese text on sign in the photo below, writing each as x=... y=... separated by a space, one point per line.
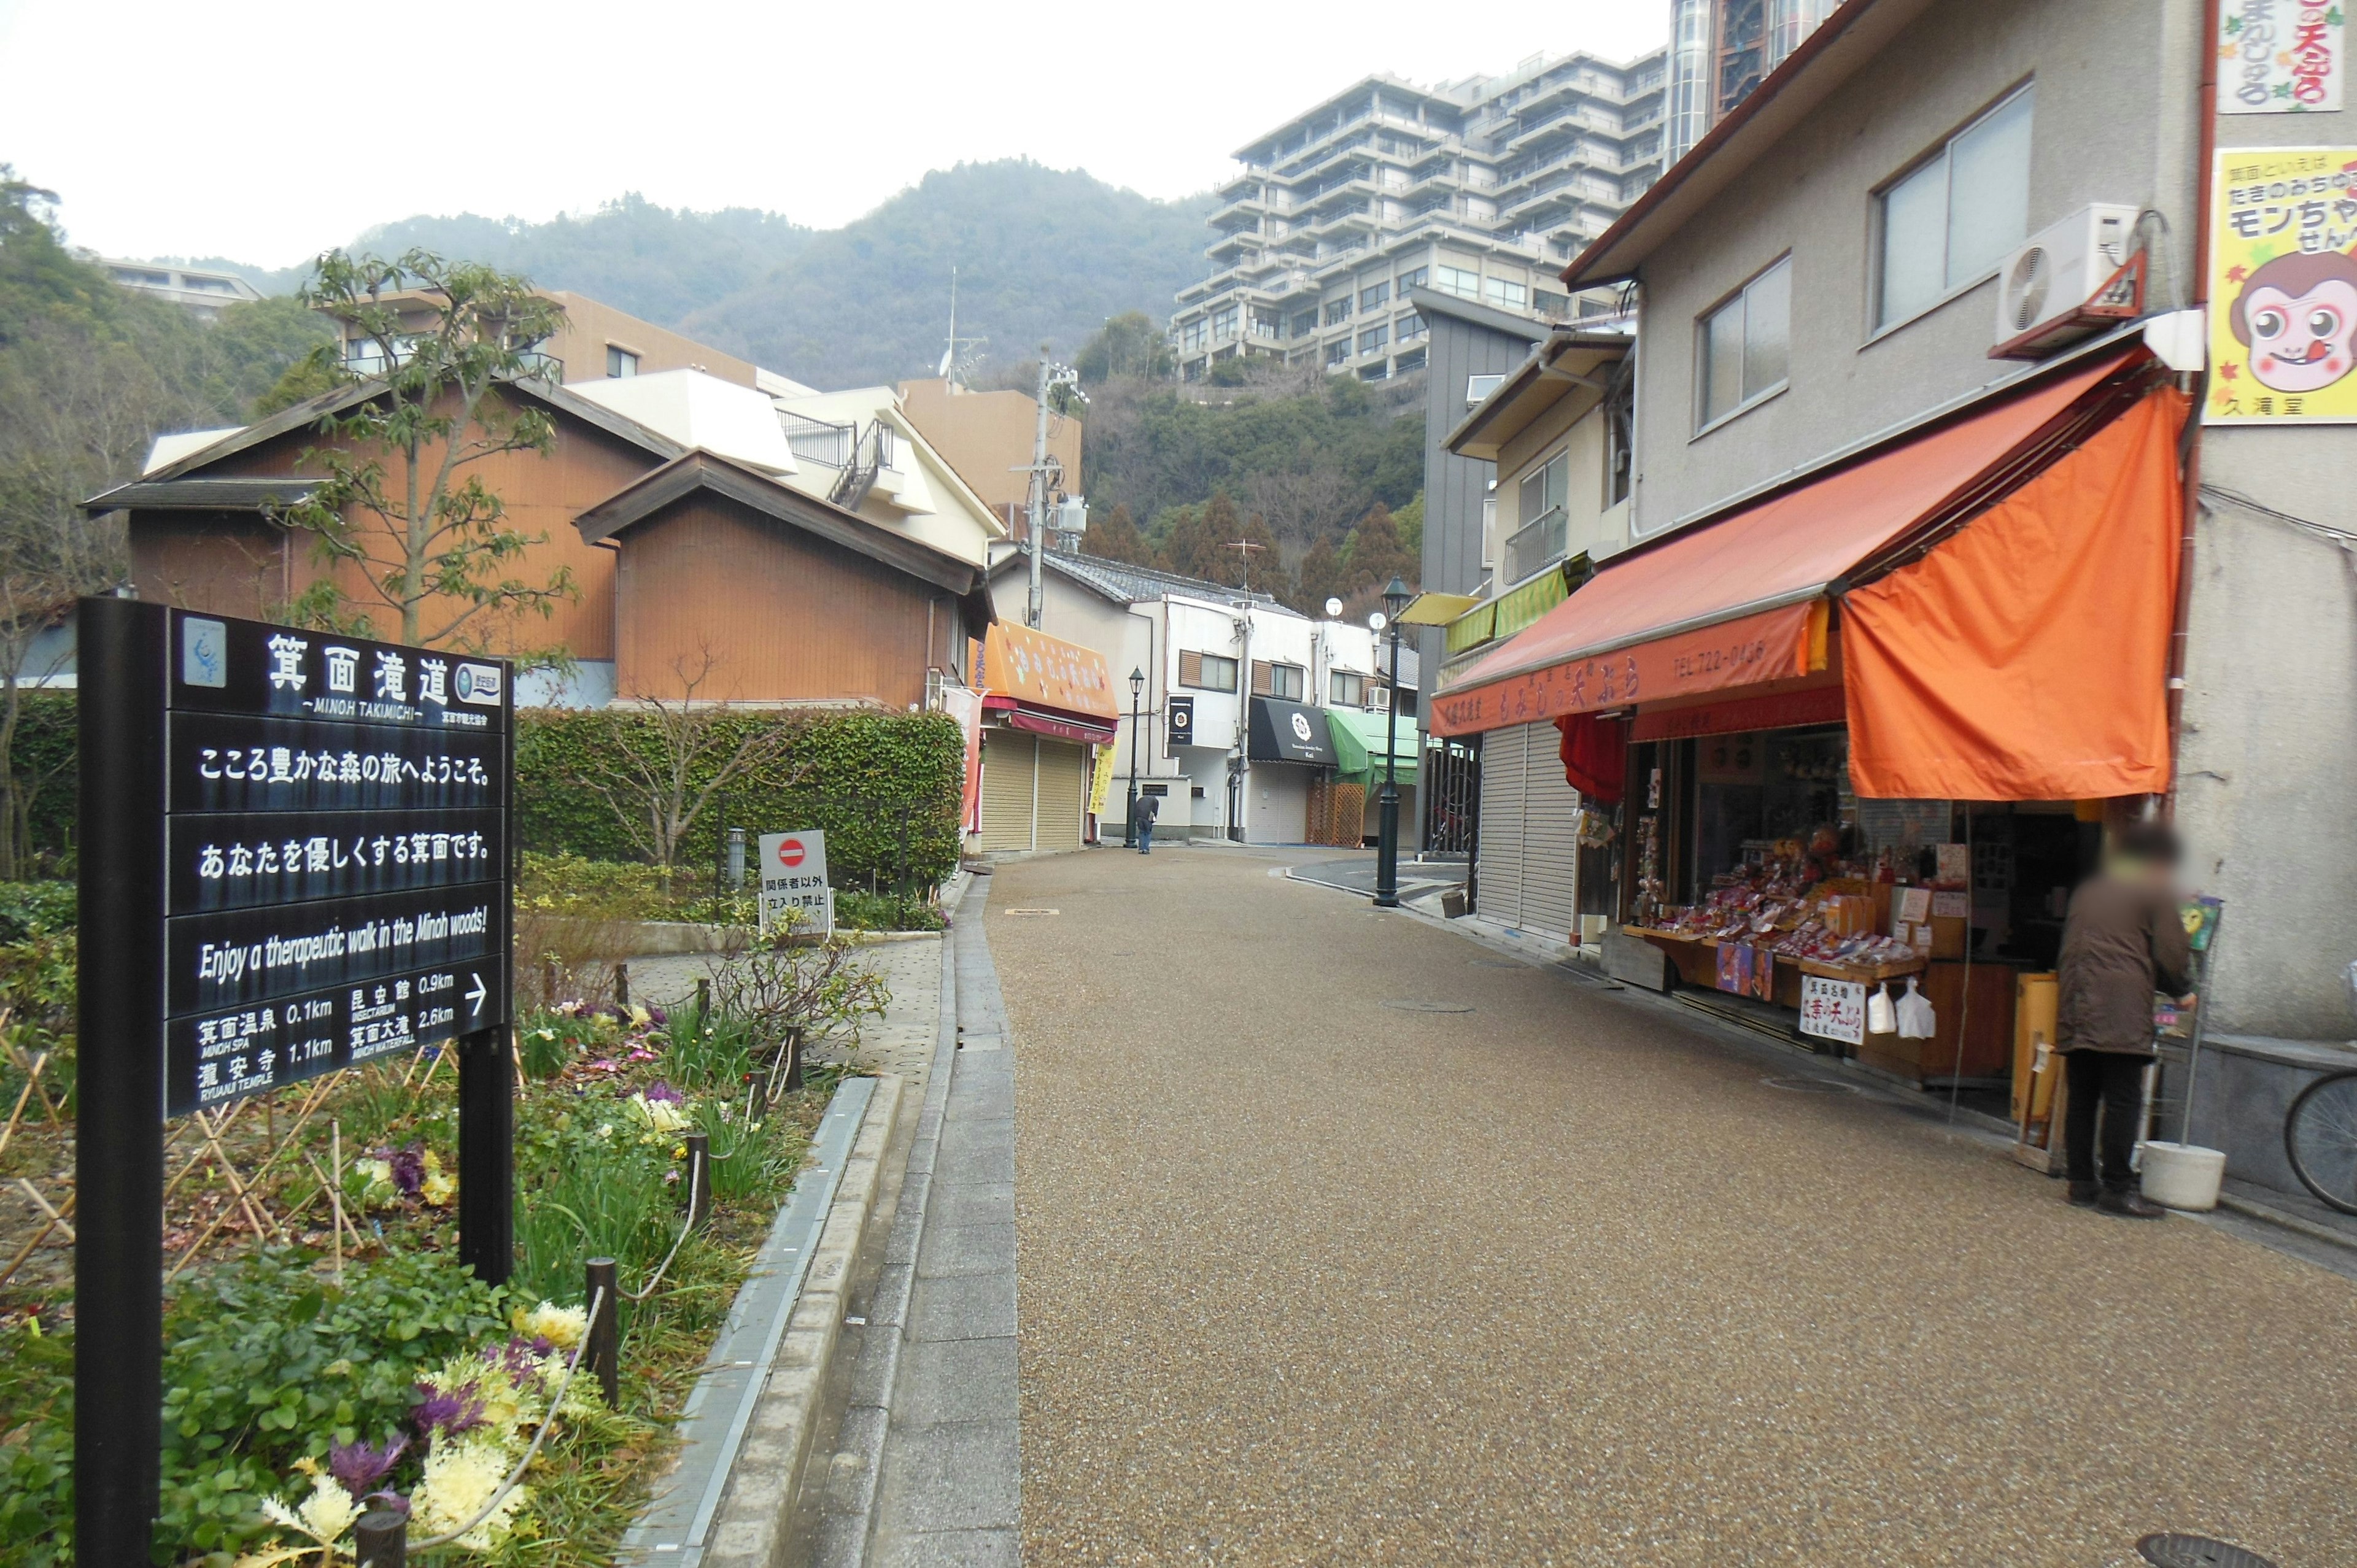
x=1833 y=1009
x=794 y=882
x=2283 y=286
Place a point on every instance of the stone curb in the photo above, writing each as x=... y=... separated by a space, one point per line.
x=749 y=1529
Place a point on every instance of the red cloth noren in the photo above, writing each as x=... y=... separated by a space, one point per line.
x=1594 y=756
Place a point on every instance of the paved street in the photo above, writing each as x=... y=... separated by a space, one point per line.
x=1557 y=1275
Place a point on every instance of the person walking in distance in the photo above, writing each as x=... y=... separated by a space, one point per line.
x=1148 y=808
x=2124 y=939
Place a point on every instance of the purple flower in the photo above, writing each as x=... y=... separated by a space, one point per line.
x=520 y=1359
x=391 y=1501
x=661 y=1089
x=409 y=1170
x=459 y=1410
x=657 y=1016
x=359 y=1466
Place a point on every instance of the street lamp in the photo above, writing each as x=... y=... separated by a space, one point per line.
x=1136 y=689
x=1395 y=598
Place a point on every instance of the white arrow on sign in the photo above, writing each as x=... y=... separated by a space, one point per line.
x=476 y=994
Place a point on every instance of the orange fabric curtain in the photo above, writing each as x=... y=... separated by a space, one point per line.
x=2026 y=656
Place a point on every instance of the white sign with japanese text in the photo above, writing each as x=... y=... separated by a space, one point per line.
x=2279 y=56
x=1833 y=1009
x=793 y=878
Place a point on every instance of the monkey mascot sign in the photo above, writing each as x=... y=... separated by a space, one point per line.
x=2283 y=287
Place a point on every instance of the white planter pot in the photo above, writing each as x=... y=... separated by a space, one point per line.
x=2182 y=1175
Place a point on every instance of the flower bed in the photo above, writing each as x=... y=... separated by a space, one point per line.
x=301 y=1378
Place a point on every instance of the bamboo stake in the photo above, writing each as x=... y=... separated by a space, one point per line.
x=18 y=1114
x=55 y=1217
x=336 y=1192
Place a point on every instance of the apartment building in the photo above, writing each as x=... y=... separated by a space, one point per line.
x=1720 y=50
x=1480 y=190
x=206 y=291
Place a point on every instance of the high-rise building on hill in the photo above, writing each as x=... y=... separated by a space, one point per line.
x=1480 y=189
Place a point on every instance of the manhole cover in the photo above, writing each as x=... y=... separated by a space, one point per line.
x=1809 y=1086
x=2174 y=1550
x=1409 y=1006
x=1015 y=912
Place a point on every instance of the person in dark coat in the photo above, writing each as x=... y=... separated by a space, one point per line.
x=2124 y=939
x=1147 y=807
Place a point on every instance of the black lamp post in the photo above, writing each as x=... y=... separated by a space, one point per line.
x=1136 y=689
x=1395 y=598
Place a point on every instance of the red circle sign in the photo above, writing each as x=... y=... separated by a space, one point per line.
x=789 y=853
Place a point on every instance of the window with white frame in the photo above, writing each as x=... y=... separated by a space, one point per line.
x=1541 y=531
x=1742 y=346
x=1952 y=218
x=1347 y=689
x=1479 y=387
x=1462 y=281
x=1506 y=292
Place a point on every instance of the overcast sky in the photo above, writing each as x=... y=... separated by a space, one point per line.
x=267 y=130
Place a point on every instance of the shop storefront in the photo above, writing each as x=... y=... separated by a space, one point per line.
x=1858 y=738
x=1291 y=749
x=1352 y=795
x=1046 y=706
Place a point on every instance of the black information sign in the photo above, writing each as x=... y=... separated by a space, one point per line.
x=294 y=858
x=337 y=857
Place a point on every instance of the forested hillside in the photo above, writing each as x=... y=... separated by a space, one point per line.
x=1043 y=255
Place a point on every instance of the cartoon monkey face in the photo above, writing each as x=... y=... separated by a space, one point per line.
x=2297 y=316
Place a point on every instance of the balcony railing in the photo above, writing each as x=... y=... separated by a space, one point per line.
x=819 y=440
x=1537 y=543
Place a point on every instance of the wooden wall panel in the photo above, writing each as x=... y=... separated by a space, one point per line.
x=222 y=563
x=787 y=617
x=543 y=495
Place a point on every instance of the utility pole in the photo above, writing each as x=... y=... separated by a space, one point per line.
x=1046 y=474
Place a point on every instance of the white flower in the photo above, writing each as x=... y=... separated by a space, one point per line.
x=660 y=1115
x=324 y=1516
x=460 y=1477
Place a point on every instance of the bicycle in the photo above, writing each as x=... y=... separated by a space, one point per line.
x=2320 y=1130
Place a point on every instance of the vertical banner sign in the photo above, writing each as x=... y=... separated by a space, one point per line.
x=295 y=859
x=793 y=878
x=2279 y=56
x=1182 y=724
x=2283 y=287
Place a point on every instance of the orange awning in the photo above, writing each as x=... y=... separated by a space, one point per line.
x=2026 y=658
x=1676 y=613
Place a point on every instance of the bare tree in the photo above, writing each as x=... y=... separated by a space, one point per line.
x=1305 y=505
x=660 y=792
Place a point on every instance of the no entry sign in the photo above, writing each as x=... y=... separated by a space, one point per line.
x=294 y=852
x=793 y=878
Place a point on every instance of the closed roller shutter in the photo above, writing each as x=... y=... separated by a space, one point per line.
x=1550 y=838
x=1529 y=843
x=1063 y=794
x=1010 y=770
x=1500 y=847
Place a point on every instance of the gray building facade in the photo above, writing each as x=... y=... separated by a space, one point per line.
x=1783 y=211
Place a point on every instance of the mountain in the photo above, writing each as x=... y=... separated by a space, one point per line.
x=1042 y=255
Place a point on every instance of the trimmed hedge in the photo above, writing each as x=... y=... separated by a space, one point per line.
x=859 y=772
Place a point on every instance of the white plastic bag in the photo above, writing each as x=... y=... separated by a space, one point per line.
x=1916 y=1021
x=1879 y=1017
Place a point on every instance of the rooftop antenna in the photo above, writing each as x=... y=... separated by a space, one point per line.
x=1244 y=549
x=956 y=367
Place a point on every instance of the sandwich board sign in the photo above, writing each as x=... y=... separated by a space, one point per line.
x=793 y=878
x=294 y=858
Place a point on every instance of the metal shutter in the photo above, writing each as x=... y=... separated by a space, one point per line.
x=1009 y=774
x=1063 y=795
x=1550 y=838
x=1501 y=843
x=1529 y=840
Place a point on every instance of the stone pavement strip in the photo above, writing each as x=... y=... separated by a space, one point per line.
x=1570 y=1279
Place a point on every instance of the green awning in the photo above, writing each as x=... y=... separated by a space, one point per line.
x=1358 y=740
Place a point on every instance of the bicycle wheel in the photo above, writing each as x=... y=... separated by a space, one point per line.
x=2321 y=1139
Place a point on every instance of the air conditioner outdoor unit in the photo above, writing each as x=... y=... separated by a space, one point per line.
x=2068 y=281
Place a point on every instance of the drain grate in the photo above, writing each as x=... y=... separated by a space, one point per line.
x=2171 y=1550
x=1407 y=1005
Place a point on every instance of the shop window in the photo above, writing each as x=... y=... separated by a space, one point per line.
x=1207 y=672
x=1949 y=221
x=1274 y=679
x=1743 y=346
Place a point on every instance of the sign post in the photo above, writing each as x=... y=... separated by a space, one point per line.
x=793 y=877
x=294 y=858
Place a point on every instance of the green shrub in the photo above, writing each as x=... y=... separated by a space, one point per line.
x=858 y=911
x=30 y=908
